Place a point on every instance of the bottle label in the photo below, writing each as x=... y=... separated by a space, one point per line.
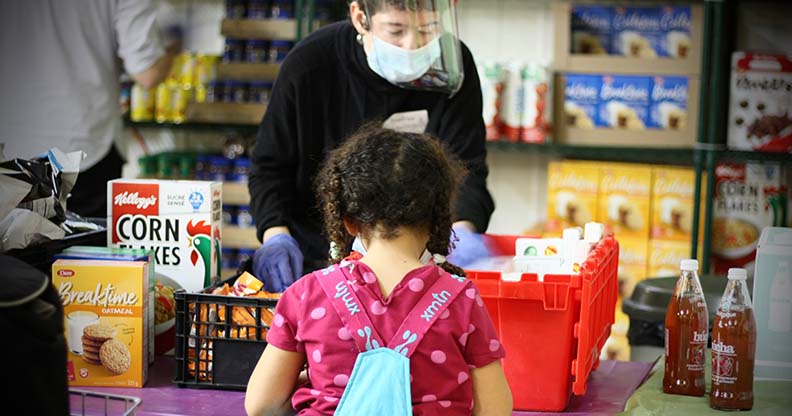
x=696 y=352
x=723 y=360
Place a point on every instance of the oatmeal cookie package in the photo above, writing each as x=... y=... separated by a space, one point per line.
x=106 y=326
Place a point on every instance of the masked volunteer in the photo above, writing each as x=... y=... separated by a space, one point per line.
x=398 y=61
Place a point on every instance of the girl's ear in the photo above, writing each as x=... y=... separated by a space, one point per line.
x=351 y=226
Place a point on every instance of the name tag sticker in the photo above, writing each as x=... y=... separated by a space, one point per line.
x=408 y=121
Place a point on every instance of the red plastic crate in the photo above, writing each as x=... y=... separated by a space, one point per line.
x=552 y=330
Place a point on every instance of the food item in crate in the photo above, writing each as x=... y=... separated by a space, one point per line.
x=211 y=320
x=760 y=103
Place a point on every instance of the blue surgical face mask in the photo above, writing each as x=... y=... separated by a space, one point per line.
x=399 y=65
x=357 y=245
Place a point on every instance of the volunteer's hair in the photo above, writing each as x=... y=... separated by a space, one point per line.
x=371 y=7
x=382 y=179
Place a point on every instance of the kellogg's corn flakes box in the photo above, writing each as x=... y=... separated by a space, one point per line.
x=624 y=200
x=672 y=203
x=178 y=220
x=572 y=195
x=105 y=321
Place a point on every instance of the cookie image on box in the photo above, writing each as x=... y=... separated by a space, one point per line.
x=571 y=209
x=587 y=44
x=621 y=212
x=635 y=45
x=678 y=44
x=621 y=116
x=115 y=356
x=577 y=117
x=672 y=116
x=99 y=332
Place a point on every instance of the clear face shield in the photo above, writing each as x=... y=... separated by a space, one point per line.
x=414 y=43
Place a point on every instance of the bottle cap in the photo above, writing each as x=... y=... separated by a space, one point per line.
x=689 y=264
x=737 y=274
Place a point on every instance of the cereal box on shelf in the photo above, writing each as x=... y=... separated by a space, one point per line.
x=675 y=31
x=178 y=220
x=636 y=32
x=105 y=322
x=668 y=108
x=748 y=197
x=672 y=203
x=624 y=199
x=572 y=195
x=760 y=103
x=664 y=257
x=581 y=100
x=591 y=29
x=633 y=262
x=624 y=101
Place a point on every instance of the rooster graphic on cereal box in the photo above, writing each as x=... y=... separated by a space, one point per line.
x=177 y=220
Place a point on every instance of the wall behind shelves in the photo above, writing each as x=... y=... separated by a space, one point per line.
x=503 y=31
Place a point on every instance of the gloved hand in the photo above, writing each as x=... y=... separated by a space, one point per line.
x=278 y=263
x=469 y=247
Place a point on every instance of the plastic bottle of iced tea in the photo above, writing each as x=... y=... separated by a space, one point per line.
x=686 y=330
x=733 y=347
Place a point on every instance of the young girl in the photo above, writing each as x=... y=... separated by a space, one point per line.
x=393 y=191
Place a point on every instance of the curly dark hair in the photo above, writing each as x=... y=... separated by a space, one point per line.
x=383 y=179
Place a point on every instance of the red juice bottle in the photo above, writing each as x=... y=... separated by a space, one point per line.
x=733 y=347
x=686 y=330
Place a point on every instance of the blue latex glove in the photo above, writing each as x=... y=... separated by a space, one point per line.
x=469 y=247
x=278 y=263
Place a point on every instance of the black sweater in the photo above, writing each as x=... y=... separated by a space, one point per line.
x=325 y=90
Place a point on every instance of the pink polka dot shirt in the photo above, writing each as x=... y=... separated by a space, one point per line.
x=461 y=339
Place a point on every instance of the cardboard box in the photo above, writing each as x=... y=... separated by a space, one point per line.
x=633 y=261
x=590 y=29
x=105 y=322
x=748 y=197
x=772 y=300
x=672 y=203
x=664 y=257
x=625 y=199
x=621 y=103
x=179 y=220
x=572 y=195
x=760 y=103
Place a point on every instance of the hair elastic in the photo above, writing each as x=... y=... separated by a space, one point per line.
x=438 y=258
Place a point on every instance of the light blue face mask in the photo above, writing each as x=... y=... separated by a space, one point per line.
x=357 y=245
x=399 y=65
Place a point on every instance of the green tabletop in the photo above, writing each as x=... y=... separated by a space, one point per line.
x=770 y=398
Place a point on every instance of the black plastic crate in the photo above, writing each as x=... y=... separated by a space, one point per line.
x=214 y=349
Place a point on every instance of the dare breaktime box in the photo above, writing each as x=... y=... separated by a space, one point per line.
x=624 y=101
x=572 y=195
x=105 y=321
x=180 y=221
x=668 y=107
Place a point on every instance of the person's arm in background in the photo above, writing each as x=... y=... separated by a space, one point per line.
x=272 y=187
x=462 y=129
x=139 y=43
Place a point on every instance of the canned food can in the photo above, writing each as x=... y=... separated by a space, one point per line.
x=142 y=105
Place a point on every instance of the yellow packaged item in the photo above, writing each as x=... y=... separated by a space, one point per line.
x=162 y=104
x=672 y=203
x=571 y=195
x=633 y=259
x=104 y=304
x=664 y=257
x=624 y=199
x=142 y=107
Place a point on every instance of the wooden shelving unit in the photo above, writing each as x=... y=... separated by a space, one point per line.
x=235 y=194
x=247 y=72
x=226 y=113
x=266 y=29
x=236 y=237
